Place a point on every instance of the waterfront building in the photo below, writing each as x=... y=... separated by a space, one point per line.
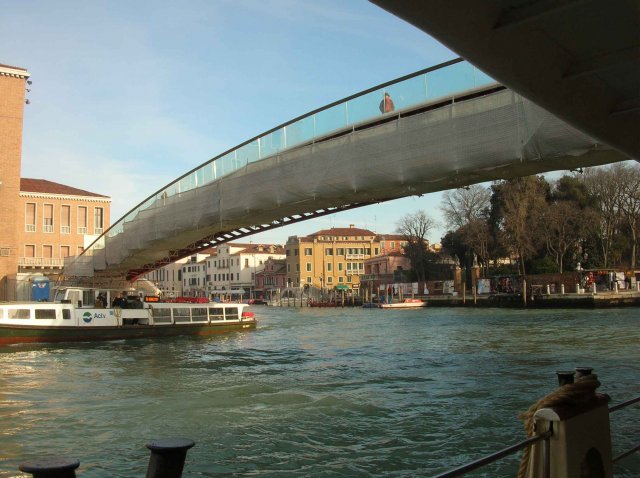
x=330 y=258
x=234 y=267
x=194 y=275
x=12 y=100
x=168 y=279
x=272 y=278
x=58 y=221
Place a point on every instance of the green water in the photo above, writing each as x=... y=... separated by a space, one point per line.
x=316 y=392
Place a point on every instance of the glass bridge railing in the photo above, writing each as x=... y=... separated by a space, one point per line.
x=422 y=87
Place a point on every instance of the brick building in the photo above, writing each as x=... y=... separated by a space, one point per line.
x=42 y=222
x=12 y=101
x=57 y=221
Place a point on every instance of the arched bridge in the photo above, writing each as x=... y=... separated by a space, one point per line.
x=451 y=126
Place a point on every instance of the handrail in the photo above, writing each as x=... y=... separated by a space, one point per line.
x=443 y=80
x=474 y=465
x=615 y=408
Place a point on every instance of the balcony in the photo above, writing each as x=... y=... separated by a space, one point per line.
x=33 y=262
x=30 y=228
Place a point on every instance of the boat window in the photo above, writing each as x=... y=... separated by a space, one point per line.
x=66 y=314
x=231 y=313
x=216 y=313
x=181 y=314
x=45 y=313
x=199 y=314
x=18 y=314
x=161 y=315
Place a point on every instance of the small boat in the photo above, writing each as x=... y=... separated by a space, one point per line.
x=69 y=321
x=406 y=304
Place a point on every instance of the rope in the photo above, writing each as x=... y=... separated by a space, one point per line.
x=582 y=391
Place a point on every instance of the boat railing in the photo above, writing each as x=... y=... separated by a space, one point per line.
x=545 y=437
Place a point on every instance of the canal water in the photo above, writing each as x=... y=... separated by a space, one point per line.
x=316 y=392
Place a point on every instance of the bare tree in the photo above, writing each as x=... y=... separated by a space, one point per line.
x=524 y=203
x=462 y=206
x=565 y=224
x=414 y=229
x=604 y=185
x=630 y=202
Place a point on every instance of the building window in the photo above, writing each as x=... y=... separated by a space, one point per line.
x=308 y=280
x=297 y=267
x=286 y=253
x=82 y=219
x=80 y=250
x=340 y=251
x=329 y=280
x=329 y=267
x=29 y=250
x=246 y=262
x=376 y=251
x=340 y=266
x=47 y=218
x=65 y=251
x=348 y=278
x=65 y=219
x=98 y=220
x=308 y=251
x=328 y=251
x=30 y=217
x=308 y=266
x=295 y=252
x=341 y=279
x=288 y=267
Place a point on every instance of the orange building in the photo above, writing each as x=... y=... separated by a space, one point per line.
x=330 y=258
x=42 y=221
x=59 y=221
x=12 y=100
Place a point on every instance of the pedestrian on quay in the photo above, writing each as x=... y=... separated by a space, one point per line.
x=386 y=104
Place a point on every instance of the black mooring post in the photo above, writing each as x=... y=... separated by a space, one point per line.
x=54 y=467
x=167 y=457
x=583 y=371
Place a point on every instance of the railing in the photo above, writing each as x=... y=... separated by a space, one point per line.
x=40 y=261
x=474 y=465
x=409 y=91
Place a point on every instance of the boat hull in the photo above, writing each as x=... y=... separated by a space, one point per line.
x=35 y=334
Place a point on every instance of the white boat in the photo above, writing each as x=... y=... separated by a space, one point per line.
x=406 y=304
x=69 y=320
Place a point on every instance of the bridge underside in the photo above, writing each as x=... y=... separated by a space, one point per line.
x=579 y=59
x=482 y=137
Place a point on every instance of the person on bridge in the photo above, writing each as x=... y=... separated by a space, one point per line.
x=386 y=104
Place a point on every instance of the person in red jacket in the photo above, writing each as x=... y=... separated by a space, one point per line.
x=386 y=104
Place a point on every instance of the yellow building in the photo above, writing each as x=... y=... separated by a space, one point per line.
x=330 y=258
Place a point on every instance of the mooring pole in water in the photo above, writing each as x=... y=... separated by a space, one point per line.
x=167 y=457
x=55 y=467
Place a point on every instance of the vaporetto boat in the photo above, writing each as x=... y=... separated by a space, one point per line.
x=70 y=321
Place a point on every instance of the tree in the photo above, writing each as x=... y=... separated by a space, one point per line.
x=524 y=202
x=565 y=225
x=604 y=185
x=463 y=206
x=628 y=178
x=414 y=229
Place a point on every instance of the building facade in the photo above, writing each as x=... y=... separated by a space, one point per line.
x=330 y=259
x=234 y=267
x=12 y=100
x=58 y=221
x=271 y=279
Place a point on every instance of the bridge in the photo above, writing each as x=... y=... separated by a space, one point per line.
x=452 y=126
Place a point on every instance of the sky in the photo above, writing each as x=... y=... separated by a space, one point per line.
x=128 y=95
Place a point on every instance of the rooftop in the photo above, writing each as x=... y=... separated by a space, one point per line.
x=49 y=187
